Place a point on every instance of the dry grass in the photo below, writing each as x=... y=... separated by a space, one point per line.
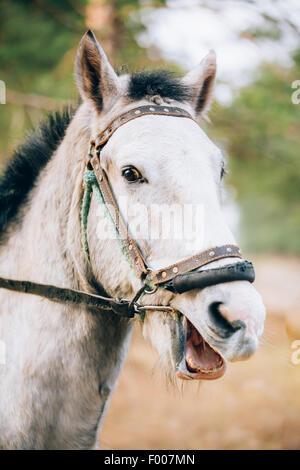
x=256 y=405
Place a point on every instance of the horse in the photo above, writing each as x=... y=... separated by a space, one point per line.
x=63 y=356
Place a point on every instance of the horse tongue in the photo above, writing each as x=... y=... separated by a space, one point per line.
x=198 y=354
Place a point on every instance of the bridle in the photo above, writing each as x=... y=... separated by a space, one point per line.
x=178 y=278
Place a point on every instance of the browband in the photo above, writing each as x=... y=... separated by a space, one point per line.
x=135 y=113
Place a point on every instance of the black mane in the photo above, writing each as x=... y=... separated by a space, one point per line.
x=26 y=163
x=157 y=82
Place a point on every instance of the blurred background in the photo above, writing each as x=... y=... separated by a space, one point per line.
x=256 y=122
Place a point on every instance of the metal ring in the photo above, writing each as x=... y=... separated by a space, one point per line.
x=154 y=289
x=146 y=291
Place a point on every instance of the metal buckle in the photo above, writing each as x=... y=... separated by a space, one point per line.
x=90 y=155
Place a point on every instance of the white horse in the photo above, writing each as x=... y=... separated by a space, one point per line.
x=62 y=361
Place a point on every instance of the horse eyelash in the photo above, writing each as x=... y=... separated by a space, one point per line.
x=224 y=171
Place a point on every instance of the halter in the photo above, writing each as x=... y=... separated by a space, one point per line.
x=178 y=278
x=181 y=276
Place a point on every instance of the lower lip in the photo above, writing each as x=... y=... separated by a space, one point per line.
x=185 y=373
x=201 y=375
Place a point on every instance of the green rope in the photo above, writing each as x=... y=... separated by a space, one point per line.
x=89 y=181
x=91 y=186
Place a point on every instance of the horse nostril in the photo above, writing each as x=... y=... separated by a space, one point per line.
x=220 y=324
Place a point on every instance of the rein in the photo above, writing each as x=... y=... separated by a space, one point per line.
x=178 y=278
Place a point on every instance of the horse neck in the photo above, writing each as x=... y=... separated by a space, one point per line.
x=45 y=246
x=38 y=245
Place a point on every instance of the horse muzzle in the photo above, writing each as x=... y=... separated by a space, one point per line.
x=223 y=323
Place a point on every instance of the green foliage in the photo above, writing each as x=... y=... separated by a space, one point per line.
x=261 y=132
x=34 y=37
x=35 y=40
x=38 y=43
x=123 y=30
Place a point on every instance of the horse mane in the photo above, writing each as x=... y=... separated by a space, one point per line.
x=27 y=161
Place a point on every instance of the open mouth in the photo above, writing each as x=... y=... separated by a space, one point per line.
x=201 y=361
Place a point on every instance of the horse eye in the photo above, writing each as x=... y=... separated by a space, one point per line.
x=131 y=174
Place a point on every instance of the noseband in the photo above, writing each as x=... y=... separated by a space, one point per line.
x=179 y=277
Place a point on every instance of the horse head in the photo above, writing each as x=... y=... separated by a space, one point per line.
x=166 y=175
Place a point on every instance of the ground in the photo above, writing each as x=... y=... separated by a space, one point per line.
x=256 y=405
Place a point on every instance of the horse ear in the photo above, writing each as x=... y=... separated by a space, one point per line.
x=201 y=79
x=95 y=78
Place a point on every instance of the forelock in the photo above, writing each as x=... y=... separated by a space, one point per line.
x=157 y=82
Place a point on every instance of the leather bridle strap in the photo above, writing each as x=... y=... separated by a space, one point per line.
x=120 y=307
x=194 y=262
x=134 y=113
x=133 y=252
